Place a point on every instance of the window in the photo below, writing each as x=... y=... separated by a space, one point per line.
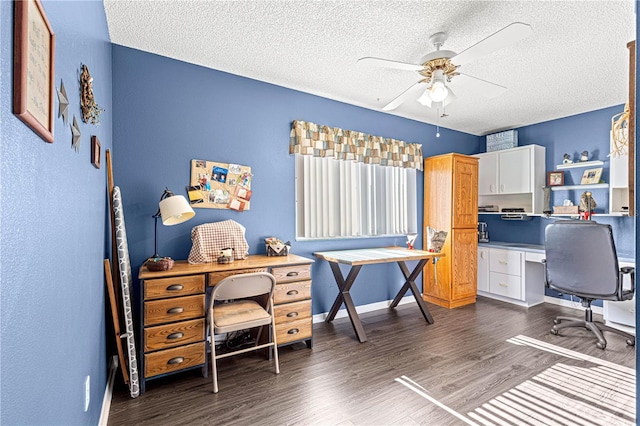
x=338 y=199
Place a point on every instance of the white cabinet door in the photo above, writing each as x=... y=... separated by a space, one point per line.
x=514 y=171
x=483 y=269
x=488 y=174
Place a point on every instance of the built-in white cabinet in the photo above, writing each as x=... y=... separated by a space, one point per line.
x=483 y=269
x=510 y=276
x=618 y=182
x=512 y=178
x=621 y=315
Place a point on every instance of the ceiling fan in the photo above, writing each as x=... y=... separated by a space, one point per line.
x=441 y=66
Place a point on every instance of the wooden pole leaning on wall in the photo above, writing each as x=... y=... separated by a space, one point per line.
x=115 y=274
x=116 y=319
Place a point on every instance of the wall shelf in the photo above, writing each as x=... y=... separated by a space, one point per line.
x=569 y=187
x=580 y=164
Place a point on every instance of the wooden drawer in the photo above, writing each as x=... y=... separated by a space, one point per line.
x=174 y=286
x=505 y=261
x=292 y=331
x=216 y=277
x=176 y=309
x=505 y=285
x=295 y=311
x=174 y=359
x=292 y=273
x=292 y=292
x=175 y=334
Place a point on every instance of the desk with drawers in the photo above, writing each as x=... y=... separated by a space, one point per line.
x=173 y=310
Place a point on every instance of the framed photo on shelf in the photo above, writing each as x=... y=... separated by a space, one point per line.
x=591 y=176
x=33 y=78
x=555 y=178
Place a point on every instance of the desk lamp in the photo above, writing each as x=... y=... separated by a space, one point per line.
x=173 y=209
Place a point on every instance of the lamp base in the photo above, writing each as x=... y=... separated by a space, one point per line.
x=157 y=263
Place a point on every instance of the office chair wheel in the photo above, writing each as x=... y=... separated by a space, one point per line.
x=554 y=331
x=631 y=342
x=601 y=345
x=556 y=321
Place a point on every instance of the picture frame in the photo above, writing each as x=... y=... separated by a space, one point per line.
x=555 y=178
x=95 y=152
x=591 y=176
x=33 y=79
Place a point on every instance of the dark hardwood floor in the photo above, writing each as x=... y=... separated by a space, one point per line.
x=462 y=361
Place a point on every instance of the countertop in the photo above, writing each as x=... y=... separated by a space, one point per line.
x=538 y=248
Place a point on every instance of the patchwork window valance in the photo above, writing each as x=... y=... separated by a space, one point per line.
x=324 y=141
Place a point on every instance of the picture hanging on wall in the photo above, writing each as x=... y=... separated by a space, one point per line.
x=219 y=185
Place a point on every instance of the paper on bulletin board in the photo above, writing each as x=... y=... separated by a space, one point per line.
x=219 y=185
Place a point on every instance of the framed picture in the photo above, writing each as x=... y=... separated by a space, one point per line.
x=555 y=178
x=33 y=78
x=591 y=176
x=95 y=152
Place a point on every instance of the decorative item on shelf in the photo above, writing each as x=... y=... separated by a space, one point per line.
x=90 y=109
x=620 y=133
x=159 y=264
x=567 y=159
x=411 y=239
x=226 y=255
x=591 y=176
x=275 y=247
x=502 y=140
x=584 y=156
x=547 y=200
x=173 y=210
x=587 y=205
x=555 y=178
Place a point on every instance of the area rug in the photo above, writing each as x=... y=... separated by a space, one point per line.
x=596 y=393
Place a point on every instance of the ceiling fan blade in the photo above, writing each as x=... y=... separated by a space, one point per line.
x=486 y=88
x=386 y=63
x=508 y=35
x=403 y=96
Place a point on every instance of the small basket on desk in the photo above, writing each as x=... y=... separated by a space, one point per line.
x=275 y=247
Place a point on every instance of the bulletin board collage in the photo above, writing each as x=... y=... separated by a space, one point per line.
x=219 y=185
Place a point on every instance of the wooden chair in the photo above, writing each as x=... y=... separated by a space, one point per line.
x=242 y=302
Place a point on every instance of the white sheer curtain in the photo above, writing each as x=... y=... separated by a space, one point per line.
x=338 y=199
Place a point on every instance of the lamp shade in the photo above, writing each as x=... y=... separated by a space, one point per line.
x=175 y=210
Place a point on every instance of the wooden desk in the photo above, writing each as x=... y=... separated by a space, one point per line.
x=173 y=305
x=360 y=257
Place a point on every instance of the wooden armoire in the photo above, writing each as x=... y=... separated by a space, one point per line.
x=451 y=204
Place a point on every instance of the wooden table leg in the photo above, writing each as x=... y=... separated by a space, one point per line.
x=345 y=297
x=410 y=284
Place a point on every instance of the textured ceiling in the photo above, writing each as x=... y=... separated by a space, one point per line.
x=575 y=61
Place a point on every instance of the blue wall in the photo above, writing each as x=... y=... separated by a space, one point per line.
x=52 y=235
x=170 y=112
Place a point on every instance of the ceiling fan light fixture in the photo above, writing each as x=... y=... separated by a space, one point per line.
x=438 y=91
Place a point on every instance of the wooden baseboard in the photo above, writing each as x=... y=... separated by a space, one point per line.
x=449 y=304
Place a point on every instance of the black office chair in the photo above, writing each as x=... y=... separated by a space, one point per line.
x=581 y=260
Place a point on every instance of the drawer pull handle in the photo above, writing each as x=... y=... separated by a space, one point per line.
x=292 y=314
x=292 y=292
x=175 y=310
x=293 y=331
x=176 y=360
x=173 y=336
x=175 y=287
x=503 y=262
x=503 y=285
x=292 y=274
